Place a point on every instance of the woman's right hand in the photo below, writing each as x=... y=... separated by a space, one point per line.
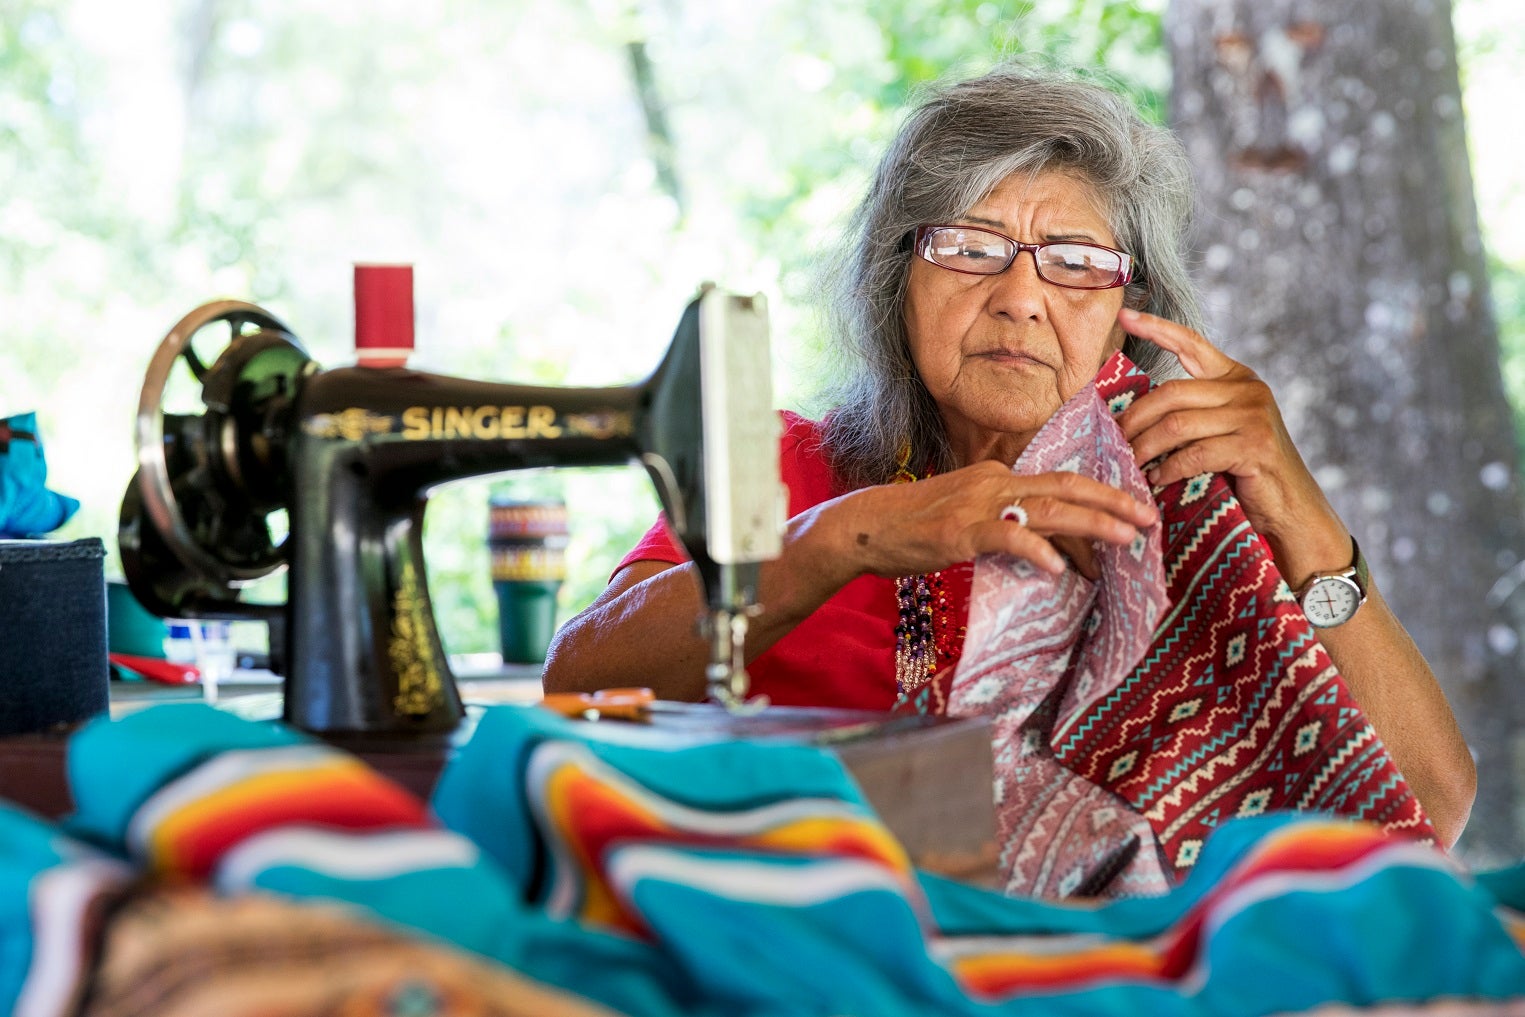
x=906 y=529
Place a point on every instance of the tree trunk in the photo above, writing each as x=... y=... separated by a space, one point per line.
x=1341 y=259
x=659 y=139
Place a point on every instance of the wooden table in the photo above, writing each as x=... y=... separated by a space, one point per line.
x=928 y=778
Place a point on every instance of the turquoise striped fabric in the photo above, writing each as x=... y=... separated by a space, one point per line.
x=734 y=879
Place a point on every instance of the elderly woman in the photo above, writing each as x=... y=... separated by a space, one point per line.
x=1021 y=230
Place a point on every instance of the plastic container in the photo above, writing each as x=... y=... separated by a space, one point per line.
x=178 y=645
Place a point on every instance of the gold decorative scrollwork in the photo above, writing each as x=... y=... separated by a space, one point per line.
x=600 y=424
x=352 y=424
x=419 y=688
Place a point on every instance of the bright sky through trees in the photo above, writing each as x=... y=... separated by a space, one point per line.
x=499 y=147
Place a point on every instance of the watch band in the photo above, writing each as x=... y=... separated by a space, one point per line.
x=1355 y=571
x=1356 y=574
x=1359 y=572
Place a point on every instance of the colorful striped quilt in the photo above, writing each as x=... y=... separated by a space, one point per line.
x=743 y=878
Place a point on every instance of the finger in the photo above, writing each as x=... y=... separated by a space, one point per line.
x=1174 y=396
x=1055 y=518
x=1220 y=454
x=1054 y=554
x=1004 y=537
x=1200 y=358
x=1082 y=555
x=1083 y=492
x=1183 y=427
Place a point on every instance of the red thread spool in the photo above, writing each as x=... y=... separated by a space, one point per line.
x=383 y=315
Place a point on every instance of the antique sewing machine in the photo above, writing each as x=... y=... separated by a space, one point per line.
x=252 y=460
x=344 y=460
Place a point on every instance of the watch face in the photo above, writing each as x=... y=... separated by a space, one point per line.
x=1331 y=601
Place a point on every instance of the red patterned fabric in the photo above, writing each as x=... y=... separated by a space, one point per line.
x=1235 y=708
x=1044 y=649
x=1272 y=724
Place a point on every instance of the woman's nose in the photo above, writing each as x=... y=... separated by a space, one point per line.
x=1019 y=292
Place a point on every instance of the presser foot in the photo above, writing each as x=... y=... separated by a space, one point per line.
x=737 y=705
x=726 y=673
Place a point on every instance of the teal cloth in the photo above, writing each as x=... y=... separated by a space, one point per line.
x=27 y=507
x=777 y=931
x=30 y=852
x=483 y=794
x=473 y=904
x=162 y=744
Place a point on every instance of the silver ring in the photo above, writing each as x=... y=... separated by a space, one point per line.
x=1015 y=513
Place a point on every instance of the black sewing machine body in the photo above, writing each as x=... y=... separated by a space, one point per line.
x=350 y=454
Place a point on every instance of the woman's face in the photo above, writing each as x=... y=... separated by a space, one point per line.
x=1001 y=353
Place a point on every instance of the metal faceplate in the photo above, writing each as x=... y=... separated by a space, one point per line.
x=744 y=496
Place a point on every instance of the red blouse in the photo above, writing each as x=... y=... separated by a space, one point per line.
x=844 y=653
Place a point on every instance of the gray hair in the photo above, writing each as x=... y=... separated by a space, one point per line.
x=954 y=147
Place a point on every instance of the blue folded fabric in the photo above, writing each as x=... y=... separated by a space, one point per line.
x=27 y=507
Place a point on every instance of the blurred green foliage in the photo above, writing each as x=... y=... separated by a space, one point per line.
x=160 y=154
x=1507 y=282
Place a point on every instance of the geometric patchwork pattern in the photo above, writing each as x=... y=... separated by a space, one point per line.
x=1230 y=706
x=1275 y=703
x=1041 y=650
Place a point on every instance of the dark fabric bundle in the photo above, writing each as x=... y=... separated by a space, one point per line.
x=52 y=633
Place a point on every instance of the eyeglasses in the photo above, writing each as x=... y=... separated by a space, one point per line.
x=977 y=251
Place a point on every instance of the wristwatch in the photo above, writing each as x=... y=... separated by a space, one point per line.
x=1331 y=598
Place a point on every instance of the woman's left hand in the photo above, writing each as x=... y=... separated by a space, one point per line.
x=1224 y=419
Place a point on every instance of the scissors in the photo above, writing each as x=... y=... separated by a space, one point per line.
x=154 y=669
x=605 y=704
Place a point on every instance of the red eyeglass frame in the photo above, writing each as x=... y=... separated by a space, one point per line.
x=919 y=248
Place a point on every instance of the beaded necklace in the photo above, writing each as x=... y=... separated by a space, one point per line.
x=923 y=626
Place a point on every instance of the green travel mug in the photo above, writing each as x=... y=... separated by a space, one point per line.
x=528 y=540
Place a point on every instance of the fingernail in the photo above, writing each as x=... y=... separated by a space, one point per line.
x=1128 y=314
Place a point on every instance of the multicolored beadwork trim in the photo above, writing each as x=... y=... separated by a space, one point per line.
x=915 y=640
x=915 y=635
